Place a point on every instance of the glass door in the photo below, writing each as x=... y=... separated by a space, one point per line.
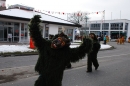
x=16 y=32
x=70 y=33
x=1 y=33
x=10 y=34
x=5 y=34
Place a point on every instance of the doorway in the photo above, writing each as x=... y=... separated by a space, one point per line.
x=10 y=34
x=5 y=34
x=70 y=34
x=1 y=33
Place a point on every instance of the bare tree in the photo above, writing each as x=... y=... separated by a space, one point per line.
x=78 y=17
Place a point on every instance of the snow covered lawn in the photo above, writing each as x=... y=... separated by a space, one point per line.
x=25 y=48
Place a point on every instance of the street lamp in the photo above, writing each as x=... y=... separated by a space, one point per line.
x=86 y=18
x=119 y=24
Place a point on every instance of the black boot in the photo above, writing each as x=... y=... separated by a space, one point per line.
x=96 y=67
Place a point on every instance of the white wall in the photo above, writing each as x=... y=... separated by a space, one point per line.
x=53 y=29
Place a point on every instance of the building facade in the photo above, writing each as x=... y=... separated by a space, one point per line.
x=111 y=28
x=14 y=24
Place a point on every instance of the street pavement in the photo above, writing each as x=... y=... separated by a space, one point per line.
x=113 y=71
x=109 y=64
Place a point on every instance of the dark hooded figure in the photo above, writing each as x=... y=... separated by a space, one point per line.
x=92 y=56
x=54 y=54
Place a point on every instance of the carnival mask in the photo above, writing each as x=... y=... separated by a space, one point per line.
x=58 y=42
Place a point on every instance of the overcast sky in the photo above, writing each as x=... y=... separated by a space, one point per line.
x=114 y=9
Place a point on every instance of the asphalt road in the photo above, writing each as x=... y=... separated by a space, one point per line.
x=18 y=61
x=113 y=71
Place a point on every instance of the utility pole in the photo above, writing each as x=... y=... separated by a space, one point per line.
x=111 y=15
x=119 y=29
x=86 y=18
x=119 y=24
x=103 y=22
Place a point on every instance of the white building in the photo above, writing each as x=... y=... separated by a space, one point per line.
x=14 y=24
x=112 y=28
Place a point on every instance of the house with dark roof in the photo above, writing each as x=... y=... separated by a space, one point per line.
x=14 y=24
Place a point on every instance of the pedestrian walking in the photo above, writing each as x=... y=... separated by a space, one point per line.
x=92 y=56
x=105 y=39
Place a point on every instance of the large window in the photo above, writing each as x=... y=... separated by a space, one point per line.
x=16 y=29
x=84 y=33
x=70 y=33
x=1 y=23
x=46 y=32
x=116 y=26
x=8 y=23
x=126 y=26
x=95 y=32
x=95 y=26
x=1 y=33
x=104 y=33
x=116 y=34
x=59 y=30
x=105 y=26
x=24 y=32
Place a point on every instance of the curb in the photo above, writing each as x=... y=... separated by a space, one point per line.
x=108 y=48
x=18 y=54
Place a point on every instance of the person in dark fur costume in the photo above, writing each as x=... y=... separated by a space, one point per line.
x=68 y=66
x=54 y=55
x=92 y=56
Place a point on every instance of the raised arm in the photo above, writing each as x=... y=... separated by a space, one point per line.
x=80 y=52
x=35 y=33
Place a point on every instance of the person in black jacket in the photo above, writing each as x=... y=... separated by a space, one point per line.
x=92 y=56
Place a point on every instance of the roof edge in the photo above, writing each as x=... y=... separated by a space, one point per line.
x=49 y=22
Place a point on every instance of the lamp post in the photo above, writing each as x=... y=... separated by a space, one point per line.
x=119 y=30
x=119 y=25
x=86 y=18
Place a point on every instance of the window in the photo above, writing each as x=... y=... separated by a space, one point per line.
x=24 y=31
x=46 y=31
x=1 y=23
x=95 y=27
x=105 y=26
x=126 y=26
x=16 y=29
x=59 y=30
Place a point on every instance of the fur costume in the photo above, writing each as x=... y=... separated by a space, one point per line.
x=54 y=55
x=92 y=56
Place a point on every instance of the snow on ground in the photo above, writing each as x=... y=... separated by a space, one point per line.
x=15 y=48
x=25 y=48
x=102 y=46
